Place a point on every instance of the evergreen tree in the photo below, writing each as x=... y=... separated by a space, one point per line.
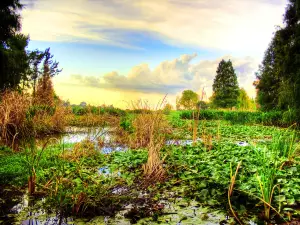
x=225 y=87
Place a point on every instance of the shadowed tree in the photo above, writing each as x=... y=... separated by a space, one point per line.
x=225 y=87
x=12 y=46
x=269 y=75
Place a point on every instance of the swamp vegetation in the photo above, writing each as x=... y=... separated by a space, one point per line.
x=149 y=167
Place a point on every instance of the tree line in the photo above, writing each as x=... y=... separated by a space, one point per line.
x=226 y=92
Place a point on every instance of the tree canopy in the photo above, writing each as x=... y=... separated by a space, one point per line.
x=19 y=68
x=279 y=74
x=225 y=87
x=188 y=100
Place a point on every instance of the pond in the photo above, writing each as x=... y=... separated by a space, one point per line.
x=176 y=211
x=77 y=134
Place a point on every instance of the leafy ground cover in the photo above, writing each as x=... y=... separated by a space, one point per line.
x=89 y=183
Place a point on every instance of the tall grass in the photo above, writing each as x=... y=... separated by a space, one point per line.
x=20 y=118
x=13 y=108
x=149 y=131
x=284 y=144
x=266 y=175
x=33 y=157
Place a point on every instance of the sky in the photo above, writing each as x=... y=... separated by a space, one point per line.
x=118 y=51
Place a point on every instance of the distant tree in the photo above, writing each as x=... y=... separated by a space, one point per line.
x=188 y=99
x=177 y=103
x=83 y=104
x=202 y=105
x=243 y=101
x=225 y=87
x=167 y=108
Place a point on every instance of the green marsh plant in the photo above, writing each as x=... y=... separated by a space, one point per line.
x=266 y=175
x=32 y=160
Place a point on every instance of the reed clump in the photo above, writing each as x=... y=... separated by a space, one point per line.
x=149 y=131
x=83 y=149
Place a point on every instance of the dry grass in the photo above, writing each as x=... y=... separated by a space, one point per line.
x=13 y=108
x=83 y=149
x=91 y=120
x=206 y=138
x=150 y=129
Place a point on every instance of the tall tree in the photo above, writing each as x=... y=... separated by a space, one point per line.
x=279 y=76
x=270 y=74
x=12 y=45
x=290 y=36
x=225 y=87
x=38 y=62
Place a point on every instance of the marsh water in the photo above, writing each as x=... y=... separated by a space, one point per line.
x=176 y=210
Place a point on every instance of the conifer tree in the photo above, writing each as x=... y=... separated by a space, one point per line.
x=225 y=87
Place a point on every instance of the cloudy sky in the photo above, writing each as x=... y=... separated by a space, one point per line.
x=115 y=51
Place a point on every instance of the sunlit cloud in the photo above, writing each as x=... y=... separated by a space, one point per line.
x=170 y=77
x=233 y=25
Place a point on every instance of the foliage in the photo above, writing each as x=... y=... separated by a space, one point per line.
x=243 y=101
x=225 y=87
x=18 y=67
x=188 y=100
x=269 y=76
x=167 y=108
x=202 y=105
x=279 y=76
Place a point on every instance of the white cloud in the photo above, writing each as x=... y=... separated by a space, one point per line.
x=172 y=77
x=233 y=25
